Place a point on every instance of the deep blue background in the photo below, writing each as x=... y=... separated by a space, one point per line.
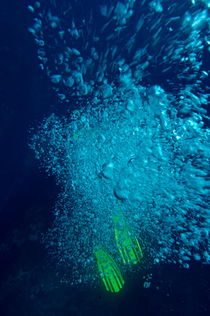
x=28 y=282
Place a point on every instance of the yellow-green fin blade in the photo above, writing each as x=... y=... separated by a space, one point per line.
x=127 y=243
x=109 y=271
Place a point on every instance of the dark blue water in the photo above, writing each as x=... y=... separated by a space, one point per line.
x=28 y=281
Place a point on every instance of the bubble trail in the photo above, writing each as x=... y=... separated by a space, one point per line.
x=133 y=79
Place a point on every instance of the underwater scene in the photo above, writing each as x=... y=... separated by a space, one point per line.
x=106 y=161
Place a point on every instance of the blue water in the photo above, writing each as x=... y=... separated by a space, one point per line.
x=32 y=282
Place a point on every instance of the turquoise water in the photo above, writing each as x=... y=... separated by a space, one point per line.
x=132 y=87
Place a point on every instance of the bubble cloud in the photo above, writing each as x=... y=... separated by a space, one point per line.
x=135 y=136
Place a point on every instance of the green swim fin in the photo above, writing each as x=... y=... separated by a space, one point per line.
x=109 y=271
x=127 y=243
